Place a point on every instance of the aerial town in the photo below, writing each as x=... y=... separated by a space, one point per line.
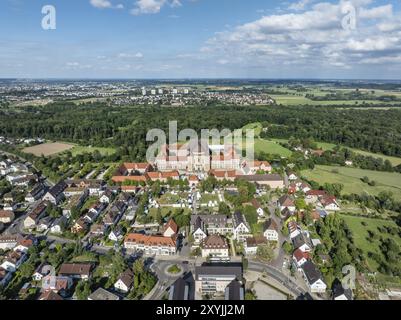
x=176 y=219
x=199 y=158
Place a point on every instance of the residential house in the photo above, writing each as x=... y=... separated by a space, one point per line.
x=302 y=243
x=76 y=270
x=13 y=260
x=107 y=197
x=36 y=193
x=293 y=229
x=94 y=211
x=241 y=229
x=50 y=295
x=312 y=196
x=170 y=228
x=56 y=193
x=270 y=230
x=81 y=225
x=313 y=278
x=41 y=271
x=101 y=294
x=221 y=175
x=98 y=229
x=33 y=218
x=214 y=278
x=329 y=203
x=211 y=224
x=258 y=207
x=299 y=257
x=286 y=202
x=251 y=244
x=94 y=186
x=292 y=176
x=75 y=202
x=124 y=281
x=157 y=245
x=6 y=216
x=215 y=247
x=59 y=225
x=5 y=277
x=340 y=293
x=8 y=242
x=44 y=224
x=24 y=243
x=116 y=234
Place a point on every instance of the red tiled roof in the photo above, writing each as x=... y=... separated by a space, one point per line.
x=150 y=240
x=171 y=224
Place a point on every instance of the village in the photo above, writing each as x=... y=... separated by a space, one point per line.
x=199 y=222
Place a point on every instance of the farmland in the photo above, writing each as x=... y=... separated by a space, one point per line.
x=351 y=179
x=48 y=149
x=76 y=150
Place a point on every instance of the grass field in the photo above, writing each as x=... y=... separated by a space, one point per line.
x=166 y=211
x=48 y=149
x=271 y=147
x=360 y=234
x=351 y=179
x=76 y=150
x=290 y=100
x=395 y=161
x=257 y=126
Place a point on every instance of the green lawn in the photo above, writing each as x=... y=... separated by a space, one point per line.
x=271 y=147
x=81 y=149
x=360 y=234
x=351 y=179
x=257 y=126
x=206 y=197
x=169 y=198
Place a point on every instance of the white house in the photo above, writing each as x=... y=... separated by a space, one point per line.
x=299 y=257
x=170 y=229
x=270 y=230
x=116 y=234
x=258 y=207
x=241 y=230
x=215 y=247
x=293 y=229
x=125 y=281
x=313 y=278
x=13 y=260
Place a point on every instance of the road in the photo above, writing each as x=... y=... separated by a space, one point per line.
x=165 y=281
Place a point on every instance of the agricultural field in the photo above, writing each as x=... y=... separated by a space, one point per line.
x=361 y=226
x=351 y=179
x=48 y=149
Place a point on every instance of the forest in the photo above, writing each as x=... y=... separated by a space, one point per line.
x=125 y=127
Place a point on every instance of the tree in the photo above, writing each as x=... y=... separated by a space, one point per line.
x=287 y=247
x=224 y=208
x=83 y=290
x=265 y=252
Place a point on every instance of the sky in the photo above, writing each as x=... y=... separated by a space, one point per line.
x=329 y=39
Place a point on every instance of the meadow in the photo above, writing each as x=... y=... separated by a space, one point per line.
x=351 y=179
x=360 y=227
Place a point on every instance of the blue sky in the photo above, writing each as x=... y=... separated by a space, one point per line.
x=201 y=39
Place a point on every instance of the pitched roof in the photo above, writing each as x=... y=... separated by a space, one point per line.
x=127 y=277
x=150 y=240
x=50 y=295
x=270 y=224
x=75 y=268
x=214 y=241
x=311 y=272
x=261 y=177
x=286 y=201
x=171 y=224
x=299 y=254
x=103 y=295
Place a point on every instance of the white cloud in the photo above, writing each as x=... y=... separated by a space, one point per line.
x=153 y=6
x=311 y=37
x=300 y=5
x=124 y=55
x=105 y=4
